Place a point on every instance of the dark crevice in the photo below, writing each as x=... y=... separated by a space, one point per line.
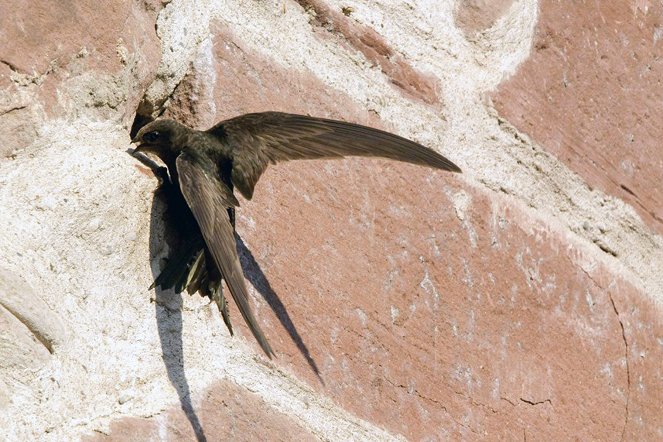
x=11 y=66
x=146 y=113
x=604 y=247
x=149 y=111
x=627 y=190
x=139 y=121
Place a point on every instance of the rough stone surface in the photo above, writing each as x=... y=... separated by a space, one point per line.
x=478 y=15
x=521 y=299
x=29 y=333
x=19 y=299
x=595 y=72
x=479 y=351
x=227 y=412
x=72 y=59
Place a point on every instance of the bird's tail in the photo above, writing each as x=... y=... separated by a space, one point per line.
x=177 y=270
x=187 y=270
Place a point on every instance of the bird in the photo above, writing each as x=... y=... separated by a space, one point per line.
x=204 y=168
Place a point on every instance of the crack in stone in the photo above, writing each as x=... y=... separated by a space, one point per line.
x=434 y=401
x=475 y=403
x=507 y=400
x=527 y=401
x=11 y=66
x=13 y=109
x=23 y=78
x=605 y=247
x=628 y=369
x=30 y=326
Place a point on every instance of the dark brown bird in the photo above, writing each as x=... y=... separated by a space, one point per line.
x=205 y=167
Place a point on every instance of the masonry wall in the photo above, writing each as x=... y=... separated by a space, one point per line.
x=521 y=299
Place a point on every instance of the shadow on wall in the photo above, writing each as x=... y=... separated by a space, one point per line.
x=168 y=304
x=258 y=280
x=168 y=312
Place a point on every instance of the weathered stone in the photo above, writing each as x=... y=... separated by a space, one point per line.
x=17 y=297
x=477 y=15
x=73 y=59
x=28 y=330
x=449 y=273
x=464 y=338
x=365 y=39
x=589 y=93
x=402 y=303
x=227 y=412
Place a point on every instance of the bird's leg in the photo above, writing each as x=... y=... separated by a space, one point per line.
x=161 y=173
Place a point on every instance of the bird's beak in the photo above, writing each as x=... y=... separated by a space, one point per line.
x=140 y=147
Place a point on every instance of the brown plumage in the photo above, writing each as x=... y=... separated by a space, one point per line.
x=205 y=167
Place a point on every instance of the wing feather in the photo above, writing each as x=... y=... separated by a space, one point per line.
x=208 y=199
x=258 y=139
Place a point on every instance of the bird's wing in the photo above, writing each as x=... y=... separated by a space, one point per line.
x=208 y=199
x=269 y=137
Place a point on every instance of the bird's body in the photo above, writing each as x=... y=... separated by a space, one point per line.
x=206 y=166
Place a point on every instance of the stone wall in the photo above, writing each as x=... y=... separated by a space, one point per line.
x=521 y=299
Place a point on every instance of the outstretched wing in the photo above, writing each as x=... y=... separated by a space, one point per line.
x=208 y=199
x=269 y=137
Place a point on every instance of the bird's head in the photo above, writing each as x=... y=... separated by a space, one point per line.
x=164 y=138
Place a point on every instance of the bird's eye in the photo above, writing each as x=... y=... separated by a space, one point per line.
x=151 y=137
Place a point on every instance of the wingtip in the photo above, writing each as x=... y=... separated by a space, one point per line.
x=264 y=345
x=267 y=349
x=449 y=167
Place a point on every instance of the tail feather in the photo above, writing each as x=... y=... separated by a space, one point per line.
x=187 y=270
